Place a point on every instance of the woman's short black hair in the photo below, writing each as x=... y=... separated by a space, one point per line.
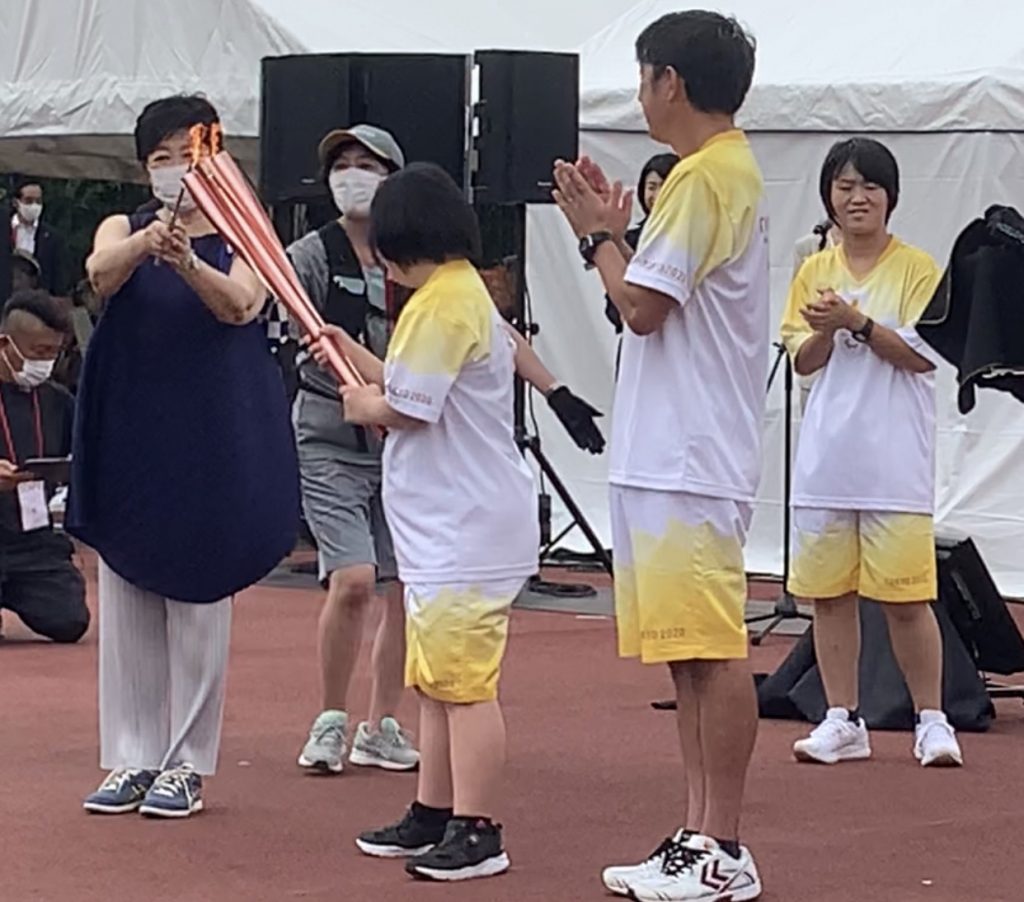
x=872 y=159
x=419 y=215
x=711 y=53
x=663 y=164
x=169 y=115
x=48 y=310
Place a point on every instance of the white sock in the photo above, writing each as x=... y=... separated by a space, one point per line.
x=925 y=718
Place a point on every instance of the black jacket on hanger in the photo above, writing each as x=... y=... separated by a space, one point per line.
x=976 y=318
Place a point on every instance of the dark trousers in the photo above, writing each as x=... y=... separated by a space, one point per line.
x=41 y=584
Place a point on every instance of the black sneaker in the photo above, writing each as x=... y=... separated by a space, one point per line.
x=414 y=834
x=469 y=849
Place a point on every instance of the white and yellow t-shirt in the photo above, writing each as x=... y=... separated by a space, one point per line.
x=690 y=397
x=459 y=498
x=867 y=441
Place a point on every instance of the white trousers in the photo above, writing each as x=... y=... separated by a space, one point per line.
x=163 y=671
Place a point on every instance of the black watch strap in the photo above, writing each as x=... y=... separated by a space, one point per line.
x=589 y=245
x=863 y=334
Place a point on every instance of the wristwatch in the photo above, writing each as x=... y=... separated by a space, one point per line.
x=589 y=245
x=863 y=334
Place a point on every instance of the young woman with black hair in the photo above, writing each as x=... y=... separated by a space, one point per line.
x=864 y=477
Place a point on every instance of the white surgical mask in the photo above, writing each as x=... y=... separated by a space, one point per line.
x=167 y=183
x=353 y=190
x=30 y=212
x=33 y=373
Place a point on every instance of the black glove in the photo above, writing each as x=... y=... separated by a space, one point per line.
x=577 y=417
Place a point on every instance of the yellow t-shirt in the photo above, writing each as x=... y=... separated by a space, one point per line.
x=458 y=496
x=867 y=441
x=690 y=398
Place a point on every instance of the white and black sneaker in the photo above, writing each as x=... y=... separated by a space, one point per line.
x=699 y=870
x=419 y=831
x=619 y=879
x=471 y=848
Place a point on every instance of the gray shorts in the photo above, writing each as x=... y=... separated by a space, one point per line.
x=342 y=505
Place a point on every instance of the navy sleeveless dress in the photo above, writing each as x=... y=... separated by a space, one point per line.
x=184 y=476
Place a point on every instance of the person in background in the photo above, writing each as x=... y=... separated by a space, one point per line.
x=183 y=476
x=652 y=177
x=38 y=578
x=30 y=234
x=340 y=462
x=25 y=272
x=864 y=476
x=686 y=457
x=462 y=504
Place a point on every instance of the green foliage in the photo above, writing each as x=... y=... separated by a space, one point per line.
x=75 y=208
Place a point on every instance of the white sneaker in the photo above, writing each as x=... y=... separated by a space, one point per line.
x=699 y=870
x=620 y=879
x=325 y=749
x=935 y=742
x=835 y=739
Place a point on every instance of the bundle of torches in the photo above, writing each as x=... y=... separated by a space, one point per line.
x=224 y=195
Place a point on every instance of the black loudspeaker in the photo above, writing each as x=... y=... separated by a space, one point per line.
x=527 y=117
x=976 y=608
x=421 y=99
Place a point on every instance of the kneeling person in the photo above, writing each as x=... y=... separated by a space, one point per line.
x=38 y=578
x=461 y=504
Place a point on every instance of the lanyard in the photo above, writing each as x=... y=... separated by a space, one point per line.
x=9 y=437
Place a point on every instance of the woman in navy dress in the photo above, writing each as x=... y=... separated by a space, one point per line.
x=184 y=475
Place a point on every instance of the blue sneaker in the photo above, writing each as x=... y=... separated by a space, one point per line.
x=177 y=792
x=122 y=791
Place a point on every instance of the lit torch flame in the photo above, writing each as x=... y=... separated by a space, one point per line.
x=216 y=139
x=198 y=134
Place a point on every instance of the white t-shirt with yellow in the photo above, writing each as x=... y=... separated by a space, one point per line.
x=867 y=441
x=458 y=496
x=690 y=397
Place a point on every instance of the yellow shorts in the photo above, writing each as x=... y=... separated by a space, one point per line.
x=456 y=635
x=680 y=583
x=884 y=556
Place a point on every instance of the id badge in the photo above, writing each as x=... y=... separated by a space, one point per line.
x=35 y=512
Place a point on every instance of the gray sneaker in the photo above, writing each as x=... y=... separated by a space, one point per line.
x=325 y=749
x=390 y=747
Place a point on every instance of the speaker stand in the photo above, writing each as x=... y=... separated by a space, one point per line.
x=785 y=607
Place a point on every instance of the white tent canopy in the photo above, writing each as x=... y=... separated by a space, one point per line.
x=441 y=26
x=946 y=96
x=74 y=75
x=915 y=65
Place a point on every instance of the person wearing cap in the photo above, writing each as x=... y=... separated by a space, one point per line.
x=341 y=470
x=340 y=463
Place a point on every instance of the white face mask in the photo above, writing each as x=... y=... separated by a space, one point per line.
x=353 y=190
x=167 y=183
x=30 y=213
x=33 y=373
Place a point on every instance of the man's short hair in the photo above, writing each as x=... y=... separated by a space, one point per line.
x=24 y=183
x=162 y=118
x=711 y=53
x=871 y=158
x=49 y=311
x=419 y=215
